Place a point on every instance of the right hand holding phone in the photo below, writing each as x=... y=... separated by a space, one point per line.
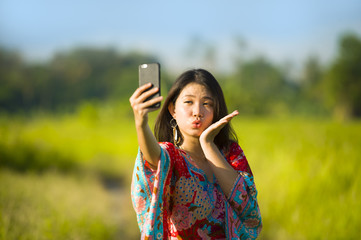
x=140 y=106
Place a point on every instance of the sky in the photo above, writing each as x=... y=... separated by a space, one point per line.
x=183 y=34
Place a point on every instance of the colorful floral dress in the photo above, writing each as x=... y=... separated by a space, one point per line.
x=177 y=201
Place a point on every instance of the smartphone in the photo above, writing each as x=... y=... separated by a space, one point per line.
x=150 y=73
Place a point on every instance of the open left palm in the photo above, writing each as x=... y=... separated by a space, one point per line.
x=211 y=132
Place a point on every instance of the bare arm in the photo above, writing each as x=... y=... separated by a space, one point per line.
x=223 y=171
x=146 y=140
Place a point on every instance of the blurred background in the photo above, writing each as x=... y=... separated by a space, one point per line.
x=67 y=141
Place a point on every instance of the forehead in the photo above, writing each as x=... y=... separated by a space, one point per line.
x=196 y=90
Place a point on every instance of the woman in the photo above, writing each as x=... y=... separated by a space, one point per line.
x=191 y=180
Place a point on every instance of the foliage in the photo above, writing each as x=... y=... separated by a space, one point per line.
x=259 y=87
x=307 y=175
x=306 y=172
x=342 y=82
x=90 y=140
x=53 y=206
x=68 y=78
x=66 y=173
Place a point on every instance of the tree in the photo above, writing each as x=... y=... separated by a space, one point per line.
x=310 y=99
x=68 y=78
x=258 y=87
x=11 y=80
x=342 y=82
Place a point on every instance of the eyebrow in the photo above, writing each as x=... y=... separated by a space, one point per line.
x=190 y=95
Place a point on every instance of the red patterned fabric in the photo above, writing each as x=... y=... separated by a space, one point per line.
x=177 y=201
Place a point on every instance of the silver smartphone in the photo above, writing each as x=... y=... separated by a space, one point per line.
x=150 y=73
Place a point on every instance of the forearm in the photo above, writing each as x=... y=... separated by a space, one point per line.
x=141 y=107
x=148 y=145
x=222 y=170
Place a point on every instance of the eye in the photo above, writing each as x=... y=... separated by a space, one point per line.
x=208 y=104
x=188 y=102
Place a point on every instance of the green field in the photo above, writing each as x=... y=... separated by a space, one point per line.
x=68 y=176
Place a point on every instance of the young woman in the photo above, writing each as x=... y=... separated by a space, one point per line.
x=191 y=180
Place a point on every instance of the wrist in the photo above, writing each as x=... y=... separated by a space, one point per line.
x=141 y=123
x=207 y=144
x=206 y=140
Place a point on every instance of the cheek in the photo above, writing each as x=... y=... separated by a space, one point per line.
x=209 y=118
x=182 y=112
x=210 y=114
x=209 y=122
x=181 y=116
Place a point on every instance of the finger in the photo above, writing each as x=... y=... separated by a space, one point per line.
x=140 y=90
x=219 y=124
x=223 y=121
x=151 y=102
x=143 y=97
x=139 y=99
x=234 y=113
x=142 y=109
x=230 y=116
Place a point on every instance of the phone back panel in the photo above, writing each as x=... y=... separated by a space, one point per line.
x=150 y=73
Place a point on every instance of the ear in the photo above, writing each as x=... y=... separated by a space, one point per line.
x=171 y=109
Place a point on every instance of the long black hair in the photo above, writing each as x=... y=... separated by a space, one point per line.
x=163 y=130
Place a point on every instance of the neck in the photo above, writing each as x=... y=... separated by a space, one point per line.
x=193 y=148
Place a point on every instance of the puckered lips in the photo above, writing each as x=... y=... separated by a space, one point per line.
x=196 y=123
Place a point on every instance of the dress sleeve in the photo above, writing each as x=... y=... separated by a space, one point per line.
x=150 y=192
x=243 y=198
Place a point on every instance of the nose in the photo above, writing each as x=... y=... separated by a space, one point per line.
x=197 y=111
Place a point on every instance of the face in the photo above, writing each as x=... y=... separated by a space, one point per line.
x=193 y=110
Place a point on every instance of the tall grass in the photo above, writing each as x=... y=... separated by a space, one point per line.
x=96 y=138
x=308 y=176
x=53 y=206
x=307 y=173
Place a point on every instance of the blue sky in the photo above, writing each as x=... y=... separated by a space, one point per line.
x=179 y=32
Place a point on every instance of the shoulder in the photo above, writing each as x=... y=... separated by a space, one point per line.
x=175 y=156
x=233 y=151
x=236 y=157
x=169 y=148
